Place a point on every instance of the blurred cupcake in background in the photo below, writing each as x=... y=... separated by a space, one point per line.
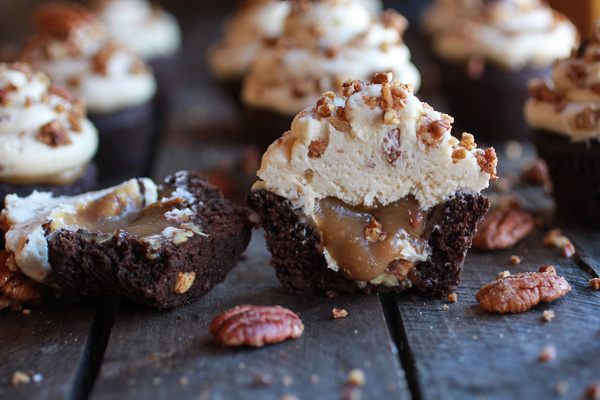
x=46 y=142
x=73 y=49
x=487 y=51
x=322 y=45
x=564 y=115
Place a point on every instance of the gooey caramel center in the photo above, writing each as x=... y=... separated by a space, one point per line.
x=362 y=240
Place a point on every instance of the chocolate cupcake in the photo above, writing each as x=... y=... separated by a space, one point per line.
x=162 y=246
x=370 y=192
x=72 y=47
x=46 y=143
x=487 y=51
x=322 y=45
x=564 y=115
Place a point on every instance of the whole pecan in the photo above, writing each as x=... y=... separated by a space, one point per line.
x=503 y=228
x=256 y=325
x=518 y=293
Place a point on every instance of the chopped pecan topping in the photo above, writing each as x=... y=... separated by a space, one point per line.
x=61 y=91
x=459 y=154
x=587 y=119
x=381 y=78
x=338 y=120
x=25 y=68
x=576 y=72
x=543 y=90
x=391 y=117
x=374 y=231
x=487 y=162
x=301 y=88
x=325 y=105
x=432 y=133
x=468 y=141
x=16 y=289
x=256 y=326
x=518 y=293
x=316 y=148
x=502 y=228
x=61 y=19
x=393 y=20
x=53 y=134
x=352 y=86
x=339 y=313
x=331 y=52
x=102 y=58
x=391 y=145
x=595 y=283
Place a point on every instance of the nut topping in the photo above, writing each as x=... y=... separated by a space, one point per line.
x=316 y=148
x=53 y=134
x=518 y=293
x=184 y=282
x=325 y=106
x=256 y=326
x=374 y=231
x=502 y=228
x=339 y=313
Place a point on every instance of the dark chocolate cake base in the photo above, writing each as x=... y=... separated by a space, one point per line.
x=125 y=142
x=575 y=172
x=489 y=106
x=302 y=268
x=119 y=265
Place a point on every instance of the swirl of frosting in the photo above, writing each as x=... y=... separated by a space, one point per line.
x=376 y=144
x=511 y=34
x=44 y=135
x=137 y=24
x=73 y=49
x=569 y=102
x=324 y=44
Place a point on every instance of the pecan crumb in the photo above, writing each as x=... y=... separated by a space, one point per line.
x=316 y=148
x=503 y=274
x=102 y=58
x=468 y=141
x=542 y=89
x=548 y=268
x=587 y=119
x=452 y=298
x=487 y=162
x=595 y=283
x=357 y=377
x=548 y=315
x=352 y=86
x=445 y=307
x=555 y=238
x=325 y=106
x=53 y=134
x=459 y=154
x=61 y=91
x=537 y=172
x=514 y=260
x=339 y=313
x=374 y=231
x=548 y=353
x=381 y=78
x=393 y=20
x=576 y=72
x=20 y=378
x=432 y=132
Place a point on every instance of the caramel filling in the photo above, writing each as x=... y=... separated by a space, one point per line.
x=363 y=241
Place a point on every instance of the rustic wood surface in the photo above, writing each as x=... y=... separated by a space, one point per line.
x=407 y=348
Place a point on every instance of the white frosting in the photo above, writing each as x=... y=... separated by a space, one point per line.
x=253 y=23
x=149 y=31
x=27 y=108
x=26 y=216
x=512 y=34
x=574 y=90
x=355 y=167
x=73 y=61
x=321 y=47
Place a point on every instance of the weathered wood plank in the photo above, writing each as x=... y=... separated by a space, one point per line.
x=170 y=354
x=465 y=352
x=59 y=341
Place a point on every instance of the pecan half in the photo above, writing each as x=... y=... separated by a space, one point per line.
x=518 y=293
x=256 y=325
x=503 y=228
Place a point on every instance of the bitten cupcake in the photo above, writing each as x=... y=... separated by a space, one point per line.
x=487 y=51
x=46 y=142
x=72 y=47
x=322 y=45
x=371 y=192
x=564 y=115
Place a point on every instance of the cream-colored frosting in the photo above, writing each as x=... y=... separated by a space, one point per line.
x=324 y=44
x=107 y=77
x=254 y=22
x=569 y=102
x=383 y=155
x=27 y=106
x=511 y=34
x=27 y=216
x=143 y=27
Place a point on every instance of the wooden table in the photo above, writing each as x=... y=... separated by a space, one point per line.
x=407 y=348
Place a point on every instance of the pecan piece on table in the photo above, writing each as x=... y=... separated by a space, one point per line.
x=502 y=228
x=520 y=292
x=256 y=325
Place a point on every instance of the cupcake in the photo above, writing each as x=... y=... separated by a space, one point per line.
x=322 y=45
x=370 y=192
x=564 y=114
x=46 y=142
x=163 y=246
x=148 y=30
x=487 y=51
x=72 y=47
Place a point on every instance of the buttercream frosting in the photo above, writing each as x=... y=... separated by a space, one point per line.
x=44 y=135
x=511 y=34
x=322 y=45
